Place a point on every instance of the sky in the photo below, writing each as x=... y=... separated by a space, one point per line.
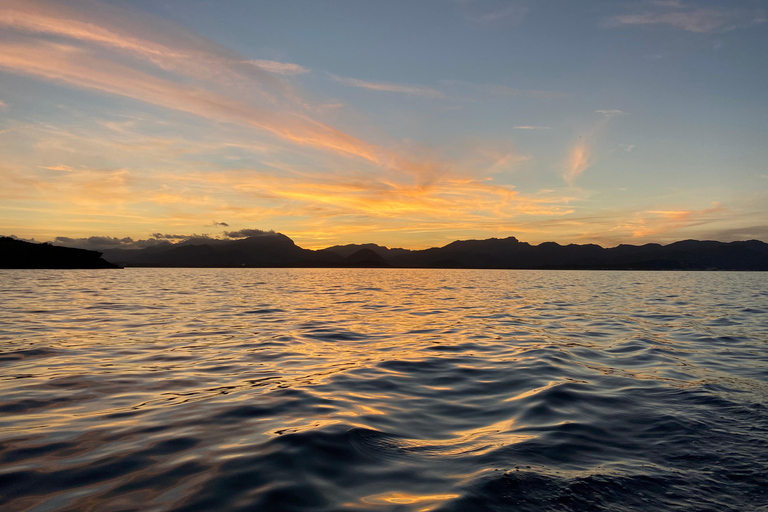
x=405 y=123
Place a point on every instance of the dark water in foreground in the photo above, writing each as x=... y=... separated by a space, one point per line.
x=401 y=390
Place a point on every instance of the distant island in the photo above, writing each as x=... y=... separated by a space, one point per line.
x=20 y=254
x=277 y=250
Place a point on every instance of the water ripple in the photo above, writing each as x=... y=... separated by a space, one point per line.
x=382 y=389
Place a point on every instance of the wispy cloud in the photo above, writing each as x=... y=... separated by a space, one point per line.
x=579 y=160
x=689 y=17
x=74 y=66
x=464 y=87
x=610 y=113
x=655 y=222
x=628 y=226
x=581 y=154
x=176 y=237
x=63 y=168
x=89 y=56
x=3 y=104
x=136 y=35
x=750 y=232
x=101 y=243
x=293 y=172
x=413 y=90
x=382 y=205
x=494 y=11
x=281 y=68
x=94 y=174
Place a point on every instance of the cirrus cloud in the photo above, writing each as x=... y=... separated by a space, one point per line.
x=688 y=16
x=281 y=68
x=413 y=90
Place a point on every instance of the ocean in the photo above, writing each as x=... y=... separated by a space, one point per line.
x=383 y=390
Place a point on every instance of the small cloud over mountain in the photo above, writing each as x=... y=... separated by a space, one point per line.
x=245 y=233
x=101 y=243
x=175 y=237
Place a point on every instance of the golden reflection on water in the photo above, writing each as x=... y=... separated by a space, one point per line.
x=442 y=376
x=400 y=498
x=532 y=392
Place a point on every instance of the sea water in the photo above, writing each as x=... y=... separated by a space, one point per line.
x=383 y=389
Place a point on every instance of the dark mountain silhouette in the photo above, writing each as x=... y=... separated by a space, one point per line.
x=120 y=256
x=267 y=250
x=19 y=254
x=511 y=253
x=277 y=250
x=200 y=240
x=384 y=252
x=365 y=258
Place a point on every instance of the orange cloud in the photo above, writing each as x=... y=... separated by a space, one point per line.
x=80 y=68
x=171 y=48
x=299 y=175
x=90 y=173
x=581 y=155
x=139 y=35
x=579 y=160
x=660 y=221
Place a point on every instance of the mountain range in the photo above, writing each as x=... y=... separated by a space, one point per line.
x=277 y=250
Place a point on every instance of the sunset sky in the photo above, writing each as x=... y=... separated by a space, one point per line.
x=405 y=123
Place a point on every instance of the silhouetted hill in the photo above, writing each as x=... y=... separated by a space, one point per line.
x=365 y=258
x=267 y=250
x=19 y=254
x=121 y=256
x=511 y=253
x=348 y=250
x=277 y=250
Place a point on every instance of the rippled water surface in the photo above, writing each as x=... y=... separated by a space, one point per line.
x=401 y=390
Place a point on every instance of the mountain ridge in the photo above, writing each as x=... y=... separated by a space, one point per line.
x=278 y=250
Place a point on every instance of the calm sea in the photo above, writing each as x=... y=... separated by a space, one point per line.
x=391 y=390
